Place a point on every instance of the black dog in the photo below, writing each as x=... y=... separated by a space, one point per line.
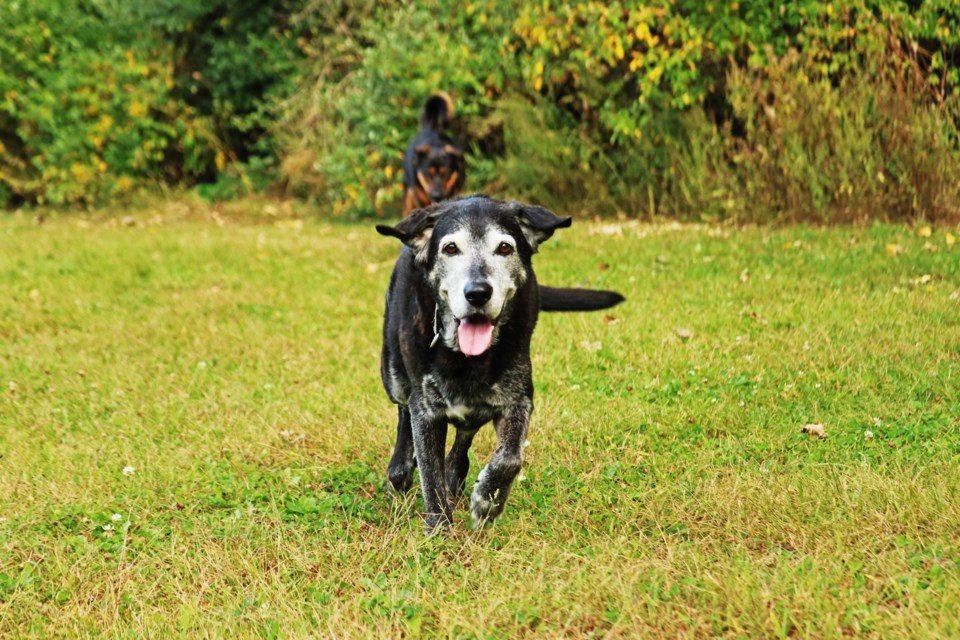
x=461 y=308
x=433 y=167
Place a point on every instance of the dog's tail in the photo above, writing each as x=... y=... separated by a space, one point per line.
x=436 y=112
x=558 y=299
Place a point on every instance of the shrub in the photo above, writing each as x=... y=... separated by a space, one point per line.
x=233 y=62
x=803 y=110
x=85 y=113
x=823 y=110
x=647 y=108
x=360 y=108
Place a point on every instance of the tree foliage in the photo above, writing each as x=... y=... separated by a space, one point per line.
x=823 y=110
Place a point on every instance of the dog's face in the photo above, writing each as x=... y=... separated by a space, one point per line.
x=439 y=171
x=476 y=270
x=476 y=254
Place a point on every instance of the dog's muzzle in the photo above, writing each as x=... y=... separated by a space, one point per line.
x=477 y=293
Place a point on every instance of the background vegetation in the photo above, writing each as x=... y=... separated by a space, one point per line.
x=823 y=111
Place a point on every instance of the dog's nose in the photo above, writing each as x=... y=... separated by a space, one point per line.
x=477 y=293
x=436 y=196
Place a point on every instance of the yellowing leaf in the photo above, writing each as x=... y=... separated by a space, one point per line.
x=815 y=430
x=137 y=109
x=924 y=232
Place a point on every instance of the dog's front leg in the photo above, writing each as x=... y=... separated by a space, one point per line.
x=400 y=469
x=458 y=462
x=494 y=482
x=429 y=438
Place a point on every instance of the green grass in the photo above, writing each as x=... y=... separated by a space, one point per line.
x=668 y=489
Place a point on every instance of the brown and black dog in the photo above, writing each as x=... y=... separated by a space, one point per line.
x=433 y=167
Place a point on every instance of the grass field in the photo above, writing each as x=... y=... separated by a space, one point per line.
x=193 y=438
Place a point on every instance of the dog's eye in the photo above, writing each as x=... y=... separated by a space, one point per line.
x=450 y=249
x=505 y=249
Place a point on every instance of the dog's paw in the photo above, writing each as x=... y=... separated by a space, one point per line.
x=485 y=503
x=400 y=479
x=437 y=524
x=485 y=513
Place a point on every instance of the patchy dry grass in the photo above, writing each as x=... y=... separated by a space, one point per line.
x=193 y=439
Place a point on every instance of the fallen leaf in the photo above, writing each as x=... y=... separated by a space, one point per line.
x=291 y=436
x=603 y=266
x=815 y=430
x=611 y=320
x=950 y=240
x=295 y=225
x=684 y=334
x=924 y=232
x=745 y=275
x=923 y=280
x=591 y=346
x=893 y=249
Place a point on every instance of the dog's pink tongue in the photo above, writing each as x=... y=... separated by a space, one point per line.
x=475 y=336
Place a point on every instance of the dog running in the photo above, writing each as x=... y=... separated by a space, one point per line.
x=434 y=168
x=461 y=308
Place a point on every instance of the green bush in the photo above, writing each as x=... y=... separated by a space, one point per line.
x=86 y=111
x=356 y=115
x=234 y=62
x=101 y=97
x=650 y=108
x=752 y=111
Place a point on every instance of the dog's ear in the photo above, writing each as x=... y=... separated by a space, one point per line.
x=415 y=230
x=537 y=223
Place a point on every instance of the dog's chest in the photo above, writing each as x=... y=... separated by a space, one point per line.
x=463 y=401
x=460 y=412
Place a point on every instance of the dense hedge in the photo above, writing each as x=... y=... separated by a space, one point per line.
x=102 y=97
x=752 y=111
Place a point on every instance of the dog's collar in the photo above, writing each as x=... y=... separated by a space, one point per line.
x=436 y=326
